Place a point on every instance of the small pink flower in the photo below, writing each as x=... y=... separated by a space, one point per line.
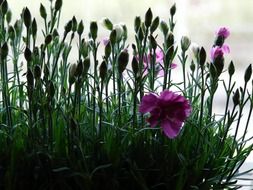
x=219 y=51
x=224 y=32
x=105 y=41
x=159 y=60
x=170 y=110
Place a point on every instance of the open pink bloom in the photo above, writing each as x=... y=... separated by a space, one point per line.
x=159 y=60
x=224 y=32
x=169 y=110
x=219 y=51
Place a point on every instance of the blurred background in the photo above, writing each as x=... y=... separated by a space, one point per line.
x=198 y=19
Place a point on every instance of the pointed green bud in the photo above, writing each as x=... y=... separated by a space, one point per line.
x=11 y=33
x=72 y=71
x=153 y=42
x=4 y=51
x=4 y=7
x=154 y=24
x=164 y=28
x=113 y=37
x=124 y=35
x=137 y=23
x=231 y=68
x=169 y=53
x=185 y=43
x=135 y=66
x=219 y=64
x=43 y=12
x=93 y=30
x=140 y=34
x=74 y=24
x=30 y=78
x=68 y=27
x=103 y=71
x=148 y=18
x=202 y=56
x=34 y=28
x=37 y=72
x=58 y=5
x=55 y=34
x=248 y=73
x=51 y=89
x=86 y=65
x=28 y=54
x=173 y=10
x=195 y=49
x=107 y=23
x=122 y=61
x=79 y=69
x=8 y=16
x=80 y=28
x=169 y=40
x=27 y=17
x=236 y=97
x=108 y=50
x=48 y=39
x=192 y=66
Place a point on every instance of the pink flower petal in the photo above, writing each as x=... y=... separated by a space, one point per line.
x=148 y=103
x=170 y=129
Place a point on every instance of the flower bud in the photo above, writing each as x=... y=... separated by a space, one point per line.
x=51 y=89
x=154 y=24
x=4 y=51
x=72 y=71
x=119 y=31
x=8 y=16
x=37 y=72
x=135 y=65
x=27 y=18
x=18 y=27
x=122 y=61
x=248 y=74
x=4 y=7
x=236 y=97
x=219 y=64
x=107 y=23
x=195 y=49
x=202 y=56
x=192 y=66
x=43 y=12
x=140 y=34
x=108 y=50
x=173 y=10
x=164 y=28
x=124 y=34
x=11 y=33
x=185 y=43
x=103 y=70
x=79 y=69
x=137 y=23
x=219 y=41
x=80 y=28
x=153 y=42
x=93 y=30
x=30 y=78
x=86 y=65
x=34 y=28
x=68 y=27
x=48 y=39
x=148 y=18
x=58 y=5
x=55 y=34
x=169 y=40
x=113 y=37
x=28 y=54
x=74 y=24
x=231 y=68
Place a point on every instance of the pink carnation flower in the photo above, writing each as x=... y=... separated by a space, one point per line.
x=159 y=60
x=219 y=51
x=169 y=110
x=224 y=32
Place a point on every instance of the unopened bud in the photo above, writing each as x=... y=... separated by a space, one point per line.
x=148 y=18
x=72 y=71
x=231 y=68
x=74 y=24
x=119 y=31
x=192 y=66
x=137 y=23
x=103 y=70
x=173 y=10
x=43 y=12
x=185 y=43
x=86 y=65
x=48 y=39
x=113 y=37
x=28 y=54
x=236 y=97
x=27 y=18
x=80 y=28
x=164 y=28
x=4 y=7
x=154 y=24
x=8 y=16
x=169 y=40
x=122 y=61
x=68 y=27
x=107 y=24
x=34 y=28
x=4 y=51
x=79 y=69
x=11 y=33
x=153 y=42
x=202 y=56
x=58 y=5
x=135 y=65
x=93 y=30
x=248 y=74
x=30 y=78
x=140 y=34
x=37 y=72
x=108 y=50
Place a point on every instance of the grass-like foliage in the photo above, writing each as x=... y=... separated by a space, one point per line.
x=116 y=118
